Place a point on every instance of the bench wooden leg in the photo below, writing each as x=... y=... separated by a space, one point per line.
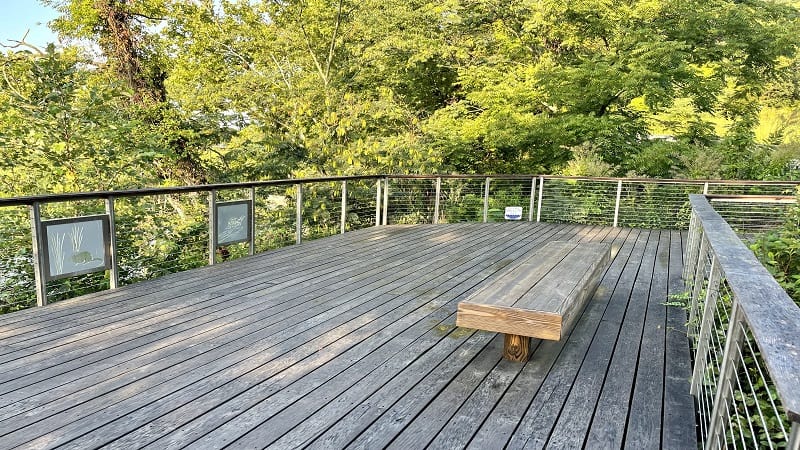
x=516 y=347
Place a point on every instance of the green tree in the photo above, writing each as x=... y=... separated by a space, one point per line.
x=65 y=128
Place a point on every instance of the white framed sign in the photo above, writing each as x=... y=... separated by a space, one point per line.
x=513 y=213
x=76 y=246
x=233 y=222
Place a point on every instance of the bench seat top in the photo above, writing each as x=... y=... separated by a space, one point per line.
x=542 y=295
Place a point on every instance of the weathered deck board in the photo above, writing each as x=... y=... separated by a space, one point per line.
x=351 y=341
x=678 y=429
x=501 y=424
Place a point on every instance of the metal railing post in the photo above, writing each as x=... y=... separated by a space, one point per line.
x=697 y=285
x=794 y=437
x=386 y=201
x=616 y=205
x=38 y=254
x=344 y=206
x=706 y=325
x=252 y=249
x=212 y=227
x=705 y=188
x=692 y=245
x=539 y=206
x=113 y=279
x=378 y=203
x=436 y=202
x=533 y=197
x=727 y=371
x=298 y=217
x=486 y=200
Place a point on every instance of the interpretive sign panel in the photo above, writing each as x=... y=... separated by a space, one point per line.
x=76 y=245
x=233 y=222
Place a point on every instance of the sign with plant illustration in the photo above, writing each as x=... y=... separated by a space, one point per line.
x=233 y=222
x=76 y=245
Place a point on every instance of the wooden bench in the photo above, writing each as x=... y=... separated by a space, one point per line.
x=540 y=297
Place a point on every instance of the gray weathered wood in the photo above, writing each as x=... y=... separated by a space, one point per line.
x=607 y=431
x=344 y=340
x=773 y=318
x=501 y=424
x=644 y=429
x=679 y=413
x=540 y=297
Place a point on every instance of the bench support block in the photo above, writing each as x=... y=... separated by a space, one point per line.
x=516 y=347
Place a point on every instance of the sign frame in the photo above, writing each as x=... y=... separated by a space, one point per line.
x=105 y=244
x=247 y=222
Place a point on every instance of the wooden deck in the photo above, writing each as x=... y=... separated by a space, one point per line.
x=350 y=341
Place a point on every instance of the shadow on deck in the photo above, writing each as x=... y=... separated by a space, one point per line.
x=351 y=341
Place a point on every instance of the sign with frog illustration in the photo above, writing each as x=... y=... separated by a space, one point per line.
x=76 y=245
x=233 y=222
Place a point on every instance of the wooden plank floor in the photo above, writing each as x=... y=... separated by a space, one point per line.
x=350 y=341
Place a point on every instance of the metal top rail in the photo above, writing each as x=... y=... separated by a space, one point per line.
x=51 y=198
x=623 y=179
x=772 y=316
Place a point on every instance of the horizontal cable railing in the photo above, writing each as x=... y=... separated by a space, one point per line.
x=745 y=334
x=628 y=202
x=156 y=231
x=61 y=246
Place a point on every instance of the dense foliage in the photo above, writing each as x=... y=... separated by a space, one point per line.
x=779 y=251
x=152 y=92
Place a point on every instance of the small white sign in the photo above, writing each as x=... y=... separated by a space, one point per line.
x=513 y=213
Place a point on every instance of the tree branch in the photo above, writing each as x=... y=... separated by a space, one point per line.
x=332 y=47
x=307 y=40
x=23 y=43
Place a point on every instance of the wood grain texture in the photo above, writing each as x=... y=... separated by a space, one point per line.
x=515 y=347
x=540 y=297
x=348 y=341
x=772 y=316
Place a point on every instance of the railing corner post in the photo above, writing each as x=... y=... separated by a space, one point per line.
x=38 y=254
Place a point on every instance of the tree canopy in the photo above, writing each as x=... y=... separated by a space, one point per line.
x=148 y=92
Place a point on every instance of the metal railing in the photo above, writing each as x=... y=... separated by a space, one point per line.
x=154 y=232
x=745 y=335
x=159 y=231
x=627 y=202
